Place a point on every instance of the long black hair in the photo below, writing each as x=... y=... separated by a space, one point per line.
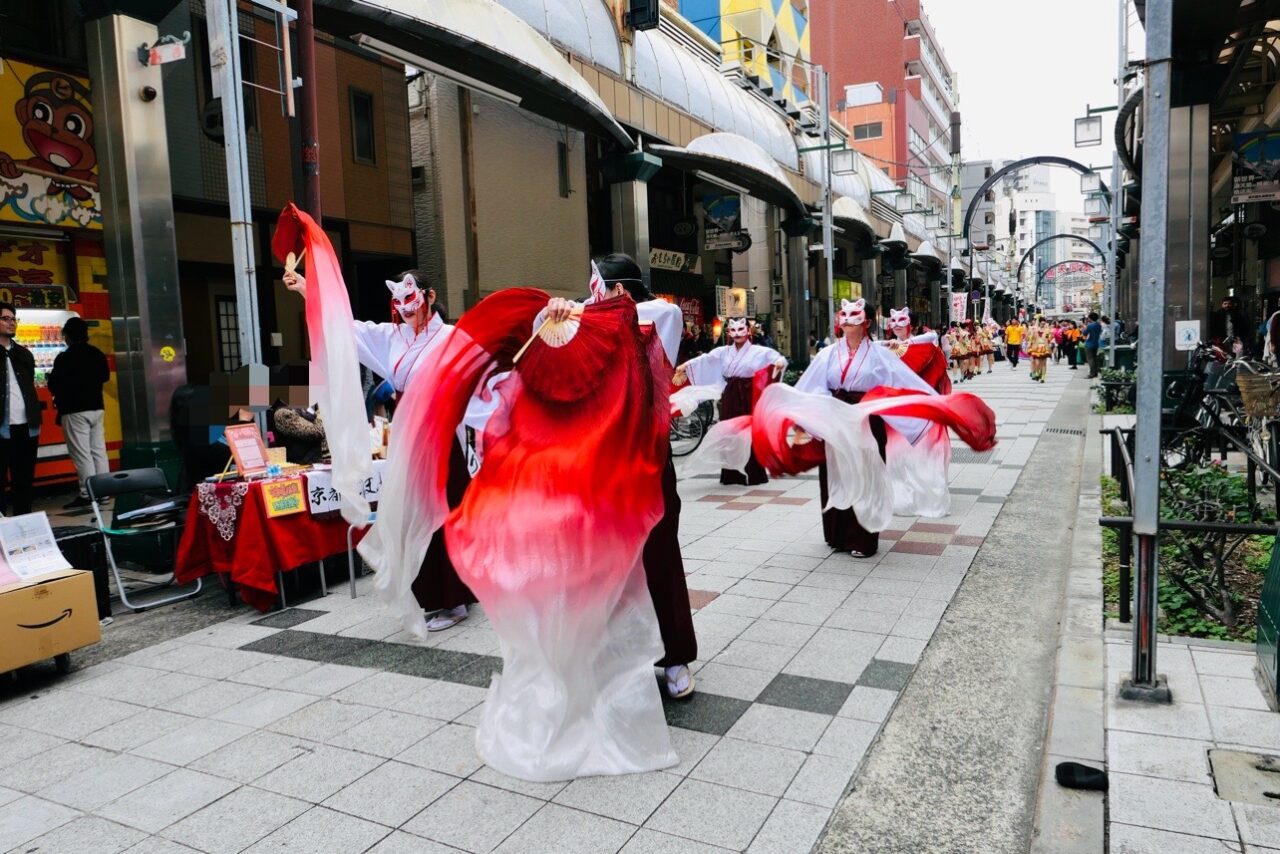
x=619 y=268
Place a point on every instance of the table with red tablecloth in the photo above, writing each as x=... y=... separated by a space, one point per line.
x=228 y=531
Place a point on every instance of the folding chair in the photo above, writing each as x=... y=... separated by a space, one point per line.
x=148 y=483
x=351 y=552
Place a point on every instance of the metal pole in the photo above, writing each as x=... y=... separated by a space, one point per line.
x=1117 y=192
x=224 y=63
x=828 y=234
x=308 y=112
x=1145 y=683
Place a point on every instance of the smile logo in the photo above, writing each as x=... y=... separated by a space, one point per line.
x=58 y=619
x=167 y=353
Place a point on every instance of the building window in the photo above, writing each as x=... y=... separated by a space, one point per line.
x=418 y=176
x=989 y=218
x=871 y=130
x=362 y=138
x=228 y=333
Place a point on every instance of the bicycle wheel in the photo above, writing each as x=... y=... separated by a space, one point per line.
x=686 y=433
x=1185 y=449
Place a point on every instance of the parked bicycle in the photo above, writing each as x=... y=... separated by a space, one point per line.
x=687 y=430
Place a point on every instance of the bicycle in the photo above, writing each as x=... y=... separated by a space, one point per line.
x=687 y=431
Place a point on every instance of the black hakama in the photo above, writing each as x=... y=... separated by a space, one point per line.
x=841 y=528
x=736 y=401
x=664 y=572
x=438 y=586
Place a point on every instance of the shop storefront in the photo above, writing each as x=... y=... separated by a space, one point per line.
x=52 y=264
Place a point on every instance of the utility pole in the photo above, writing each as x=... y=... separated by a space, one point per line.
x=224 y=63
x=1117 y=191
x=828 y=229
x=308 y=112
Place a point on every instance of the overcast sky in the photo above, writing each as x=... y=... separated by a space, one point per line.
x=1026 y=69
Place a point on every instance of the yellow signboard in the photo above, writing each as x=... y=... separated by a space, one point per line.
x=846 y=289
x=48 y=166
x=284 y=497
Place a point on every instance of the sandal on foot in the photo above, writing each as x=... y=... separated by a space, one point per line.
x=673 y=679
x=447 y=619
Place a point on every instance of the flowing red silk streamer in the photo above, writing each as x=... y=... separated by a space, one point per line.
x=965 y=414
x=930 y=364
x=334 y=368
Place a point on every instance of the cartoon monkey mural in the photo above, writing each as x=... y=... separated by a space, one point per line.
x=56 y=116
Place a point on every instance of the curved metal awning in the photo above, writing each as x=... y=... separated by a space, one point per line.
x=737 y=160
x=480 y=40
x=847 y=211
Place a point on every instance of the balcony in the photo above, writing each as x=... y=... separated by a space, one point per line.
x=921 y=61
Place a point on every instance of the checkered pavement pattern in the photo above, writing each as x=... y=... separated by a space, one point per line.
x=325 y=728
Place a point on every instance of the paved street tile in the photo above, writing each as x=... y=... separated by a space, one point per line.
x=399 y=842
x=451 y=818
x=381 y=689
x=250 y=757
x=264 y=708
x=140 y=685
x=717 y=815
x=209 y=700
x=190 y=741
x=318 y=773
x=386 y=734
x=58 y=763
x=273 y=673
x=451 y=749
x=29 y=817
x=104 y=782
x=1170 y=805
x=558 y=828
x=887 y=675
x=288 y=618
x=160 y=803
x=704 y=712
x=1232 y=691
x=628 y=797
x=791 y=827
x=235 y=822
x=147 y=725
x=847 y=738
x=1159 y=756
x=648 y=841
x=321 y=829
x=322 y=718
x=66 y=714
x=325 y=680
x=1246 y=727
x=779 y=727
x=392 y=793
x=85 y=834
x=1128 y=839
x=868 y=704
x=754 y=767
x=759 y=656
x=690 y=747
x=821 y=780
x=727 y=680
x=806 y=694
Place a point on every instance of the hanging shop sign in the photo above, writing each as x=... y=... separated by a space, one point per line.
x=1067 y=268
x=1255 y=162
x=846 y=289
x=724 y=230
x=676 y=262
x=735 y=302
x=32 y=272
x=957 y=307
x=47 y=177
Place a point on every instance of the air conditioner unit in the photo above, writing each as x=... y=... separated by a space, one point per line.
x=642 y=15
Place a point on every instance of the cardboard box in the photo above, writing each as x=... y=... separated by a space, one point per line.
x=47 y=616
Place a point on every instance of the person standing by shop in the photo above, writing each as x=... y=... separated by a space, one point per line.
x=1092 y=338
x=19 y=416
x=76 y=382
x=1013 y=334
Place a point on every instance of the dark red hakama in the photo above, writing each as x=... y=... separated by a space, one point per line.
x=438 y=586
x=738 y=399
x=664 y=572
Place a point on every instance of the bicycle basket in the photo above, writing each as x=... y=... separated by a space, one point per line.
x=1260 y=394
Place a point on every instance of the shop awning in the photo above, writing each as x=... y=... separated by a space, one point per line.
x=476 y=42
x=848 y=213
x=737 y=160
x=927 y=255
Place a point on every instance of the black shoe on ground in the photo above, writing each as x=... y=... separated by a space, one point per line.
x=79 y=502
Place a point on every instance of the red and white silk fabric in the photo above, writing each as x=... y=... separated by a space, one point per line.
x=550 y=533
x=335 y=367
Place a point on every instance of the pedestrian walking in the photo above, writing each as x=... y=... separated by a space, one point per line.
x=1058 y=327
x=1092 y=339
x=76 y=381
x=19 y=417
x=1014 y=332
x=1039 y=345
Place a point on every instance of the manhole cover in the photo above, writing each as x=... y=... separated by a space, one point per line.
x=1251 y=778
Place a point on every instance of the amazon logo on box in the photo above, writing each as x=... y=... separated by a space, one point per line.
x=47 y=616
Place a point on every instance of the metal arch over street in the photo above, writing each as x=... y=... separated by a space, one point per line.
x=1046 y=160
x=1050 y=239
x=1045 y=273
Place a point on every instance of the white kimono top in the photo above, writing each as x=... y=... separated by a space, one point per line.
x=392 y=351
x=730 y=362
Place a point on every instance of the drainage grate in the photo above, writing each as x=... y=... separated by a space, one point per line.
x=1251 y=778
x=1065 y=431
x=968 y=455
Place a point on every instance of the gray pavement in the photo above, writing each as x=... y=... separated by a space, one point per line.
x=958 y=765
x=325 y=728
